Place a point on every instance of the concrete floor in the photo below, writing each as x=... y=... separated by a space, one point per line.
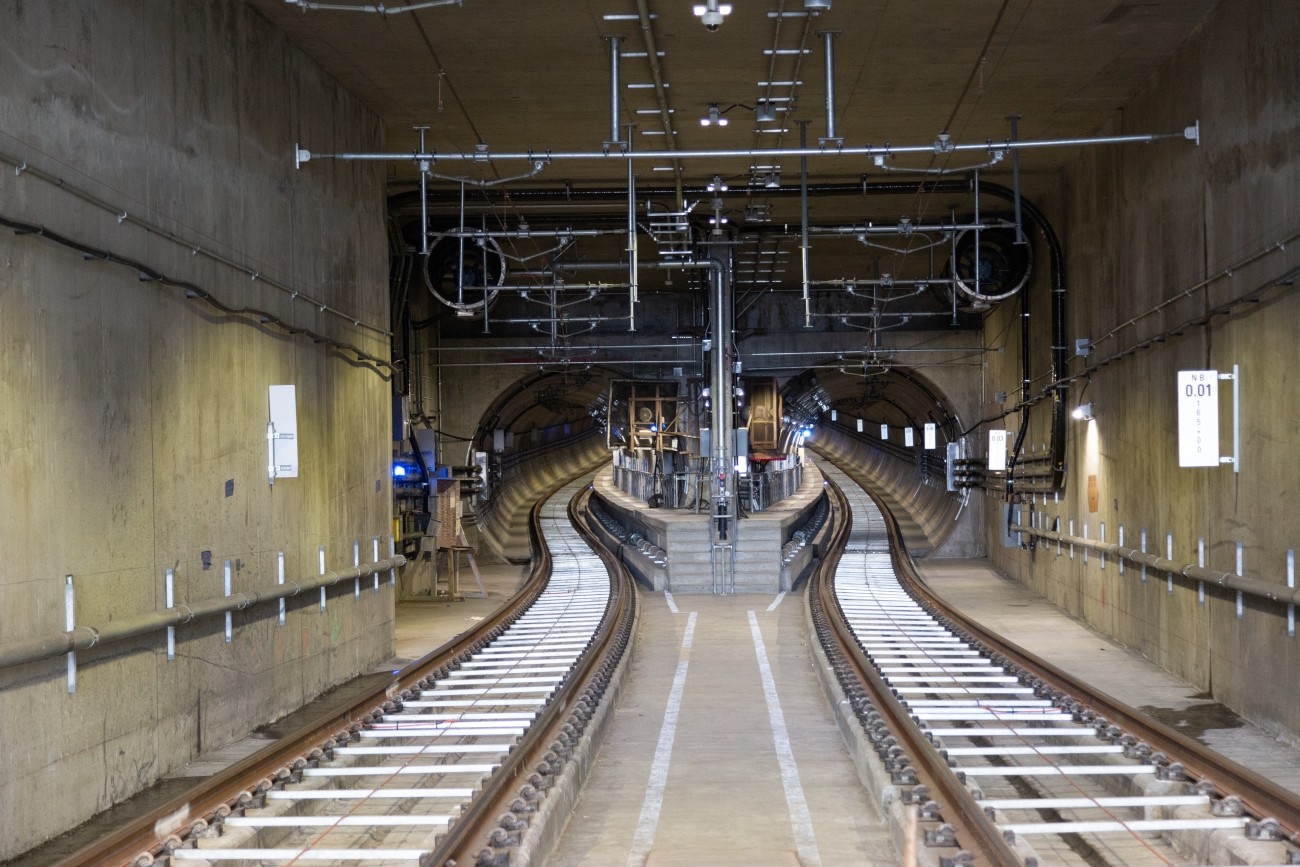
x=729 y=789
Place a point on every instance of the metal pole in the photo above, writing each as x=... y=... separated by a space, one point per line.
x=70 y=622
x=356 y=561
x=226 y=586
x=374 y=558
x=613 y=89
x=424 y=196
x=828 y=37
x=632 y=263
x=1015 y=180
x=279 y=579
x=746 y=153
x=169 y=599
x=320 y=556
x=803 y=223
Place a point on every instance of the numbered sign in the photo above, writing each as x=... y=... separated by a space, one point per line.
x=929 y=435
x=1198 y=418
x=997 y=450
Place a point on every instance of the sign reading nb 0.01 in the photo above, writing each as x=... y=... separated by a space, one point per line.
x=1198 y=418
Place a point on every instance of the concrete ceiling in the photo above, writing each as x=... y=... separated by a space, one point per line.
x=529 y=77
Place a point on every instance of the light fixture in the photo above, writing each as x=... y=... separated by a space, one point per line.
x=711 y=13
x=765 y=111
x=772 y=181
x=717 y=185
x=1083 y=412
x=816 y=6
x=714 y=117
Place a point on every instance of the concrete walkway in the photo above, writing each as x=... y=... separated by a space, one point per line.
x=722 y=750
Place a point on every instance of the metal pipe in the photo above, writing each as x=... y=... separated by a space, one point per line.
x=1015 y=180
x=613 y=88
x=828 y=37
x=1260 y=589
x=475 y=234
x=910 y=229
x=424 y=197
x=631 y=241
x=661 y=96
x=803 y=224
x=84 y=637
x=304 y=155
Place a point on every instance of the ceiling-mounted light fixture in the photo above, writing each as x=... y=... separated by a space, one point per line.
x=711 y=14
x=717 y=185
x=714 y=116
x=816 y=6
x=772 y=181
x=765 y=111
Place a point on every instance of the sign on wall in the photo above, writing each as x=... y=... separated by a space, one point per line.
x=997 y=450
x=930 y=435
x=1198 y=418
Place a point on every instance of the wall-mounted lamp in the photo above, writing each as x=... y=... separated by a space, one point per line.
x=772 y=181
x=1083 y=412
x=765 y=111
x=1083 y=347
x=714 y=116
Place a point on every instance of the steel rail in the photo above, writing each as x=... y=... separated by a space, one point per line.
x=1261 y=797
x=467 y=837
x=145 y=838
x=973 y=830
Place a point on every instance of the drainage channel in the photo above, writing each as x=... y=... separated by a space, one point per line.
x=1059 y=783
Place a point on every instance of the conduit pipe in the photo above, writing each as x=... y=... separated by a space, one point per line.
x=613 y=89
x=1254 y=587
x=303 y=155
x=803 y=221
x=657 y=74
x=85 y=637
x=828 y=37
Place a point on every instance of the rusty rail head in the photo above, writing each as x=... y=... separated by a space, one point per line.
x=470 y=833
x=974 y=832
x=148 y=834
x=1261 y=797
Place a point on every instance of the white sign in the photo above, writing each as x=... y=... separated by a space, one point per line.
x=282 y=432
x=1198 y=418
x=907 y=437
x=884 y=431
x=930 y=436
x=997 y=450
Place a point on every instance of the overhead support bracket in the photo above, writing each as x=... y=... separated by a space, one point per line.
x=831 y=140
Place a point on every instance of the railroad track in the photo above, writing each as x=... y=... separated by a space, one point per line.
x=449 y=764
x=1004 y=759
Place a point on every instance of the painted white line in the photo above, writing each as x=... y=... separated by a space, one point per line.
x=776 y=601
x=644 y=838
x=800 y=821
x=668 y=597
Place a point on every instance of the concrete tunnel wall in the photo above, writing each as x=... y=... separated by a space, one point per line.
x=129 y=411
x=1142 y=225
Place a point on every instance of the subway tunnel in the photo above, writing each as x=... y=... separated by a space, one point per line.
x=1024 y=271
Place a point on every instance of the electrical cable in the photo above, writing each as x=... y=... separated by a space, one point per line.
x=148 y=274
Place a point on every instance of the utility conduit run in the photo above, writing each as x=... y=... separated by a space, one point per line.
x=14 y=653
x=1254 y=587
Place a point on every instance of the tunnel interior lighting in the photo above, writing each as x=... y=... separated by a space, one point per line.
x=1083 y=412
x=713 y=117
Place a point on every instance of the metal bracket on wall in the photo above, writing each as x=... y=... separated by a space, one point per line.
x=1235 y=457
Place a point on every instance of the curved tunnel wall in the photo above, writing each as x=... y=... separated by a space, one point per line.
x=503 y=519
x=927 y=512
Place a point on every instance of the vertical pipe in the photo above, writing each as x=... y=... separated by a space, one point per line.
x=1290 y=582
x=460 y=252
x=424 y=196
x=1085 y=547
x=374 y=558
x=1103 y=540
x=1169 y=555
x=1200 y=561
x=613 y=90
x=1015 y=179
x=1236 y=419
x=1144 y=550
x=632 y=263
x=320 y=559
x=227 y=588
x=1071 y=534
x=356 y=563
x=1120 y=559
x=828 y=38
x=392 y=572
x=803 y=223
x=279 y=579
x=70 y=623
x=1241 y=570
x=169 y=599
